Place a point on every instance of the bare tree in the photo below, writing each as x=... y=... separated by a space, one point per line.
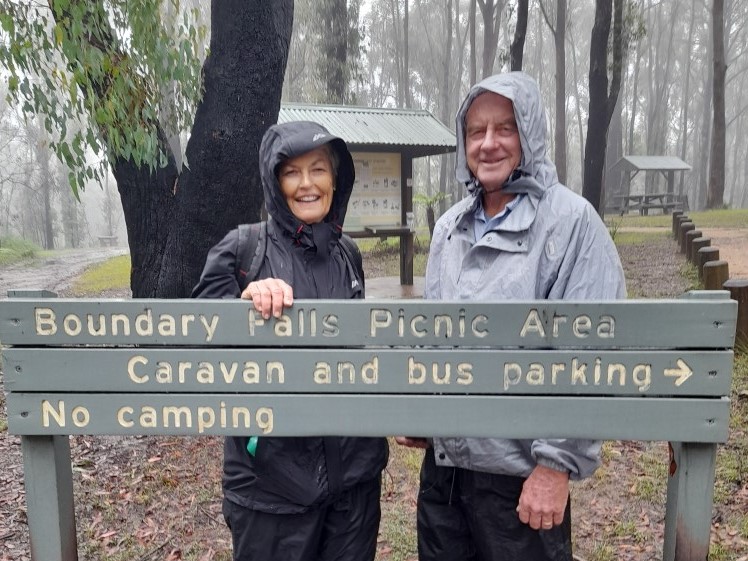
x=491 y=13
x=517 y=49
x=558 y=30
x=716 y=191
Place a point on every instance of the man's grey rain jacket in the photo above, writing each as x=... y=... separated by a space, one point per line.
x=553 y=246
x=291 y=475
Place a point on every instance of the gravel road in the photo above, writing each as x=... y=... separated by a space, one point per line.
x=55 y=273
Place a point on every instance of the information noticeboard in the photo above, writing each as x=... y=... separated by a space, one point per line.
x=377 y=192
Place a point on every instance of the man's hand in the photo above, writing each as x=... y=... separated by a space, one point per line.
x=412 y=441
x=269 y=296
x=543 y=500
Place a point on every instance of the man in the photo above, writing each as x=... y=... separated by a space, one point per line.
x=519 y=235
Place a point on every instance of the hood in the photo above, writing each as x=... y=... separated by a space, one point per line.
x=536 y=172
x=288 y=140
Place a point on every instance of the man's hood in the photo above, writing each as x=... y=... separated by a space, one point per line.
x=288 y=140
x=536 y=171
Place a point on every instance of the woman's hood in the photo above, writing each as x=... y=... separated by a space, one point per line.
x=288 y=140
x=536 y=171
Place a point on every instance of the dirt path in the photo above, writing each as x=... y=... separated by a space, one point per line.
x=54 y=273
x=733 y=248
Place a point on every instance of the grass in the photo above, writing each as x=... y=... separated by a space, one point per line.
x=110 y=275
x=723 y=218
x=14 y=250
x=634 y=238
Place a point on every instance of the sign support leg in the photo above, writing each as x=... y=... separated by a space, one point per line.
x=690 y=490
x=48 y=479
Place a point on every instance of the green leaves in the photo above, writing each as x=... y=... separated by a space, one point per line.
x=105 y=80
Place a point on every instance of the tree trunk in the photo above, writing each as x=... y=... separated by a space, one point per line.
x=243 y=77
x=686 y=93
x=716 y=191
x=602 y=101
x=471 y=31
x=491 y=12
x=560 y=130
x=517 y=49
x=577 y=104
x=333 y=59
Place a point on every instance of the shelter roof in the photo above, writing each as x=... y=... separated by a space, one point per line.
x=651 y=163
x=414 y=131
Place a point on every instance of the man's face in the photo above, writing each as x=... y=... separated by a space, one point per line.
x=307 y=182
x=492 y=141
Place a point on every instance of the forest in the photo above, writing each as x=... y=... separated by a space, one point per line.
x=141 y=120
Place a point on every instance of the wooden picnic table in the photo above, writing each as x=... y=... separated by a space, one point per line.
x=666 y=202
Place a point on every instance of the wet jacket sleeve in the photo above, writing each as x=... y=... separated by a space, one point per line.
x=591 y=270
x=218 y=279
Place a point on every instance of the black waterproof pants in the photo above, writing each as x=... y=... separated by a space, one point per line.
x=467 y=515
x=345 y=530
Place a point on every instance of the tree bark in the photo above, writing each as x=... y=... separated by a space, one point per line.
x=517 y=50
x=491 y=12
x=716 y=191
x=602 y=101
x=334 y=57
x=243 y=78
x=471 y=31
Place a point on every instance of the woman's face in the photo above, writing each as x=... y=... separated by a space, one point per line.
x=307 y=183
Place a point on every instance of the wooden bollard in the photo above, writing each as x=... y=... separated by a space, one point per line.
x=684 y=227
x=716 y=273
x=739 y=292
x=676 y=214
x=706 y=254
x=680 y=220
x=696 y=245
x=688 y=238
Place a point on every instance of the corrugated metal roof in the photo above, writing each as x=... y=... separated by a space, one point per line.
x=654 y=163
x=415 y=130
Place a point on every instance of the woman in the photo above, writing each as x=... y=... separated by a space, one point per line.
x=311 y=498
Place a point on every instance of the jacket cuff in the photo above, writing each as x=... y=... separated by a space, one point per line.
x=546 y=462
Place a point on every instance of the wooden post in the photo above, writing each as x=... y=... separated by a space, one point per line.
x=706 y=254
x=696 y=245
x=676 y=226
x=406 y=240
x=715 y=274
x=739 y=292
x=690 y=491
x=684 y=227
x=688 y=238
x=676 y=214
x=48 y=479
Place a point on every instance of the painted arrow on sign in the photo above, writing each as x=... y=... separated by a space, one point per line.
x=682 y=373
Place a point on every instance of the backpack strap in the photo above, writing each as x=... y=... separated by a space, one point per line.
x=353 y=254
x=250 y=252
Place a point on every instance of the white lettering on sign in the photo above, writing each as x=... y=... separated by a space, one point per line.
x=144 y=324
x=582 y=326
x=297 y=323
x=346 y=372
x=204 y=372
x=418 y=372
x=79 y=415
x=419 y=325
x=579 y=374
x=202 y=417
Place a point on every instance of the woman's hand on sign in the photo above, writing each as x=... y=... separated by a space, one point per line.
x=269 y=296
x=413 y=441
